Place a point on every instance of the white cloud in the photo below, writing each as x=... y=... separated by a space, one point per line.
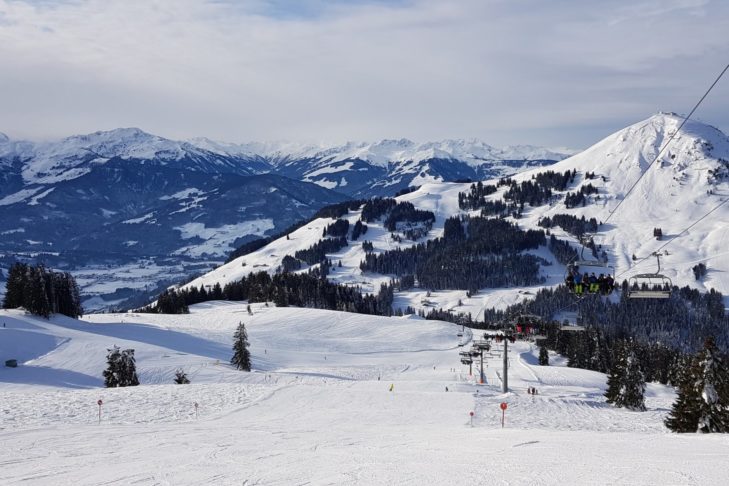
x=556 y=73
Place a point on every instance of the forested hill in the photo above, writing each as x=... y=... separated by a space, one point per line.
x=467 y=248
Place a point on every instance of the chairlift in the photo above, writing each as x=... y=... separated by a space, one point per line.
x=573 y=321
x=650 y=285
x=572 y=328
x=592 y=268
x=482 y=345
x=466 y=361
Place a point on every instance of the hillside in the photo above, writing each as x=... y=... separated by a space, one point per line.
x=317 y=407
x=130 y=212
x=688 y=181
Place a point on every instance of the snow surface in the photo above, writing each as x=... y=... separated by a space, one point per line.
x=316 y=408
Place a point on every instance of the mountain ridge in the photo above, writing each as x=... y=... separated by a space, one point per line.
x=684 y=184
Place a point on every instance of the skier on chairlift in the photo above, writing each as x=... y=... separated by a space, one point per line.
x=578 y=282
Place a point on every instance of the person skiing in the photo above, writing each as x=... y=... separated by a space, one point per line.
x=392 y=386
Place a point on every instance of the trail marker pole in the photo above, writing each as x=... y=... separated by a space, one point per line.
x=471 y=414
x=196 y=405
x=503 y=413
x=100 y=403
x=482 y=366
x=505 y=379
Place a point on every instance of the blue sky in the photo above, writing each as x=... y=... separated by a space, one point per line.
x=554 y=73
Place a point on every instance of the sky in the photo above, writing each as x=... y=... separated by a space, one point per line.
x=555 y=73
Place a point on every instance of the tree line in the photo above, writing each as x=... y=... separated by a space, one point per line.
x=284 y=289
x=42 y=291
x=473 y=253
x=571 y=224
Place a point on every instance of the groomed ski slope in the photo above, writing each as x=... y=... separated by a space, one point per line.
x=317 y=408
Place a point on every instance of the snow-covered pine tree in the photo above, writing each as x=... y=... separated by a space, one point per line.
x=684 y=416
x=241 y=356
x=713 y=411
x=121 y=368
x=543 y=356
x=128 y=368
x=112 y=372
x=617 y=371
x=181 y=377
x=632 y=390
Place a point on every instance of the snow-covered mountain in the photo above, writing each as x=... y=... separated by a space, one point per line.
x=690 y=178
x=127 y=209
x=363 y=169
x=165 y=209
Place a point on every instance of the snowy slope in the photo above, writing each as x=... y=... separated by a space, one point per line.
x=688 y=181
x=317 y=409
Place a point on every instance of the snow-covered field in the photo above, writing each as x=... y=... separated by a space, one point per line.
x=317 y=408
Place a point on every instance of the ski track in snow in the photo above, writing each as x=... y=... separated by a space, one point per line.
x=316 y=409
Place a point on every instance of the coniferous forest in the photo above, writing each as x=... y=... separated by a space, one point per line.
x=283 y=289
x=42 y=291
x=474 y=252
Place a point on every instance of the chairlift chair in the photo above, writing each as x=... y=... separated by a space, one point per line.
x=593 y=265
x=571 y=328
x=650 y=285
x=482 y=345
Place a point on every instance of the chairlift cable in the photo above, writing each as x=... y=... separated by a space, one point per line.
x=675 y=237
x=658 y=155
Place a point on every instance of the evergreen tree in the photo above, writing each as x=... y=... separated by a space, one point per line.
x=626 y=383
x=684 y=416
x=617 y=371
x=129 y=368
x=632 y=393
x=112 y=372
x=543 y=356
x=42 y=292
x=14 y=286
x=714 y=388
x=181 y=377
x=241 y=355
x=121 y=368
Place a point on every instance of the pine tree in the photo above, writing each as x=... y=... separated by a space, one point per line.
x=112 y=372
x=632 y=393
x=181 y=377
x=241 y=355
x=617 y=371
x=128 y=368
x=714 y=388
x=121 y=368
x=543 y=356
x=626 y=382
x=14 y=286
x=684 y=416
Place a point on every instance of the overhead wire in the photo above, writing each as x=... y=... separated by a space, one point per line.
x=675 y=237
x=657 y=157
x=673 y=135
